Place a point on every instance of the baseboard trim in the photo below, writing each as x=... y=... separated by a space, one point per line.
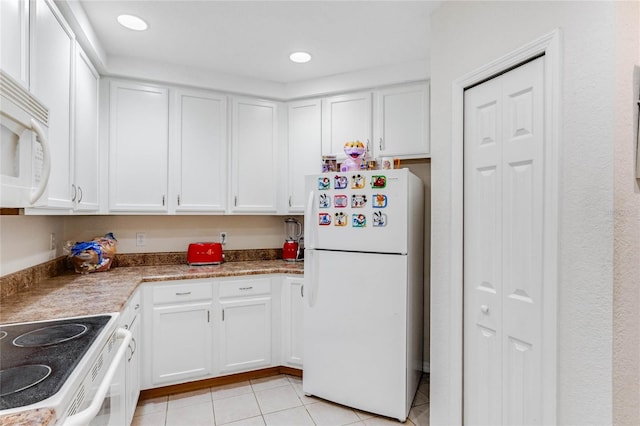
x=218 y=381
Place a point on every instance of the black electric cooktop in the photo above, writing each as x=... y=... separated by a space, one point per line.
x=37 y=358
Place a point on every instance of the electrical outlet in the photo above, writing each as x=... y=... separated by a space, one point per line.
x=223 y=237
x=52 y=241
x=141 y=239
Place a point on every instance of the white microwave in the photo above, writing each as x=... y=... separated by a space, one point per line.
x=25 y=160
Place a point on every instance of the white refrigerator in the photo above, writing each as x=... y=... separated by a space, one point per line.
x=363 y=289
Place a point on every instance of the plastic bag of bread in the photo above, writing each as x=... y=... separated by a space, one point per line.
x=93 y=256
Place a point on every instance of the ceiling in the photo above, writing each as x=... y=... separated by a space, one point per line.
x=253 y=39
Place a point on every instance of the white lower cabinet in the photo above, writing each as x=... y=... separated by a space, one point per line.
x=181 y=332
x=292 y=332
x=202 y=328
x=244 y=330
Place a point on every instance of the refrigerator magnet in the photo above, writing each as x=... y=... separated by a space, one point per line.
x=379 y=201
x=358 y=220
x=357 y=182
x=378 y=181
x=324 y=201
x=324 y=183
x=340 y=182
x=340 y=219
x=358 y=201
x=379 y=219
x=340 y=201
x=324 y=219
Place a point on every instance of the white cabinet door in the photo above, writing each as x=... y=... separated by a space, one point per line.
x=305 y=146
x=345 y=118
x=199 y=152
x=254 y=164
x=52 y=54
x=245 y=334
x=402 y=118
x=181 y=342
x=138 y=147
x=14 y=39
x=86 y=153
x=292 y=331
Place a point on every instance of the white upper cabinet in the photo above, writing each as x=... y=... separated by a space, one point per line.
x=254 y=157
x=402 y=122
x=305 y=122
x=345 y=118
x=14 y=39
x=52 y=56
x=198 y=149
x=86 y=153
x=138 y=147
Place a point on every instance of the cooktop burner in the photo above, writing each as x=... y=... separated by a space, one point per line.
x=20 y=378
x=37 y=358
x=51 y=335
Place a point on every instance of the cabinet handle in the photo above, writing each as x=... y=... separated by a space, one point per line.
x=75 y=192
x=289 y=200
x=380 y=144
x=208 y=315
x=223 y=315
x=185 y=293
x=178 y=200
x=133 y=350
x=163 y=200
x=302 y=290
x=137 y=306
x=235 y=201
x=246 y=288
x=79 y=193
x=368 y=146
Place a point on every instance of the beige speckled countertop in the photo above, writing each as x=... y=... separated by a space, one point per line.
x=71 y=294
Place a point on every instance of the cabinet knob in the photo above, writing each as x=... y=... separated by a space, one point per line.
x=484 y=309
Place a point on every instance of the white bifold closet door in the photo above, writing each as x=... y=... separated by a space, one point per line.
x=503 y=248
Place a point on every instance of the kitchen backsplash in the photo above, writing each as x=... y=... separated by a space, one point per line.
x=30 y=277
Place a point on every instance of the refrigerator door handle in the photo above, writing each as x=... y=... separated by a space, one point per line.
x=309 y=239
x=310 y=277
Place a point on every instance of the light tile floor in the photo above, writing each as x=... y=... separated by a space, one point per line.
x=272 y=401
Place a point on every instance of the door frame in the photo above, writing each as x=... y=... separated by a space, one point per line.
x=548 y=45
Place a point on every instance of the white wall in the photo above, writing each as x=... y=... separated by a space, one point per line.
x=626 y=313
x=24 y=241
x=174 y=233
x=466 y=36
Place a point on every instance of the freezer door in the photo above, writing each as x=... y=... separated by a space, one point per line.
x=358 y=211
x=355 y=325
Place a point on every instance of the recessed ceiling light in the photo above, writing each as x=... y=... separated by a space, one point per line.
x=300 y=57
x=132 y=22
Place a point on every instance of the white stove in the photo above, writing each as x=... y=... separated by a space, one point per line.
x=69 y=365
